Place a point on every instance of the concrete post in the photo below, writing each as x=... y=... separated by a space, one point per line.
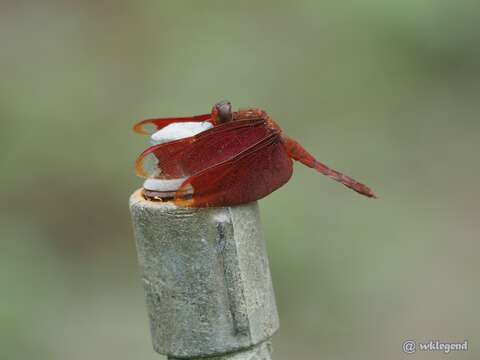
x=207 y=280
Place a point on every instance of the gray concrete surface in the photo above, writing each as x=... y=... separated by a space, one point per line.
x=261 y=351
x=206 y=278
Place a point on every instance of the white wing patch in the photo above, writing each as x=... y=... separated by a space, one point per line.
x=169 y=133
x=163 y=185
x=178 y=131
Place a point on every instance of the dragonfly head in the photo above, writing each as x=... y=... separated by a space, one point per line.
x=222 y=112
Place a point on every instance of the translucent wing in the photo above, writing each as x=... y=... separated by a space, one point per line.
x=249 y=176
x=185 y=157
x=157 y=124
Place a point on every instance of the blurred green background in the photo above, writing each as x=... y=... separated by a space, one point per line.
x=387 y=91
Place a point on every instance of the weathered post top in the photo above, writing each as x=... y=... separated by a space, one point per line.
x=207 y=280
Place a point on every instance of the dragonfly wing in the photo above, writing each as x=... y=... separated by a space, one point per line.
x=249 y=176
x=157 y=124
x=185 y=157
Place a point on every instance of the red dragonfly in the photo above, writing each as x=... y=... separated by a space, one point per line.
x=242 y=157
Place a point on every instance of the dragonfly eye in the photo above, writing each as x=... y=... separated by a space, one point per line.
x=223 y=111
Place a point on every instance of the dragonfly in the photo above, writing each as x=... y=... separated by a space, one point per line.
x=223 y=158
